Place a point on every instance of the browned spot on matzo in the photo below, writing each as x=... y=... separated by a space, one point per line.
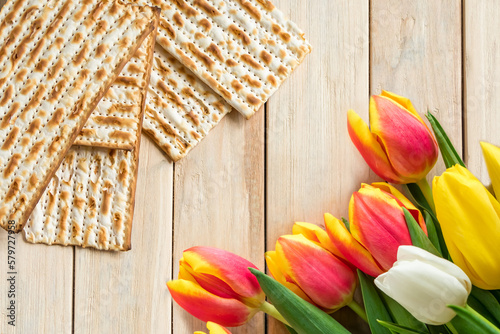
x=240 y=34
x=11 y=139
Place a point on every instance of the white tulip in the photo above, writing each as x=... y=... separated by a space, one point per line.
x=425 y=284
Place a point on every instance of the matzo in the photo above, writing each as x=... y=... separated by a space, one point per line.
x=180 y=108
x=242 y=49
x=115 y=120
x=57 y=59
x=90 y=200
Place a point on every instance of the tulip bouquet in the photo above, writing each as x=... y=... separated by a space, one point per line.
x=428 y=262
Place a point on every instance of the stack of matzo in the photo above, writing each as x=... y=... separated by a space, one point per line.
x=60 y=86
x=90 y=200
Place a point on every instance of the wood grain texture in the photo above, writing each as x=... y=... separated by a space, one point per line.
x=482 y=81
x=126 y=292
x=312 y=167
x=219 y=201
x=305 y=164
x=44 y=287
x=416 y=51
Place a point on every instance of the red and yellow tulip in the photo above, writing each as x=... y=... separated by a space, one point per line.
x=398 y=146
x=215 y=329
x=377 y=228
x=312 y=272
x=317 y=235
x=215 y=285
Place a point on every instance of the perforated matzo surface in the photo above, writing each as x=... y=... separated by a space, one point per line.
x=242 y=49
x=90 y=200
x=114 y=122
x=57 y=58
x=180 y=109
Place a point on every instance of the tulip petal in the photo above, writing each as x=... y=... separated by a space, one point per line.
x=415 y=212
x=369 y=148
x=226 y=267
x=323 y=277
x=408 y=143
x=412 y=253
x=378 y=223
x=216 y=328
x=470 y=221
x=352 y=250
x=422 y=289
x=491 y=155
x=273 y=261
x=207 y=306
x=403 y=102
x=317 y=235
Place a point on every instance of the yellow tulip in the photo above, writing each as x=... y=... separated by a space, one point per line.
x=491 y=155
x=470 y=220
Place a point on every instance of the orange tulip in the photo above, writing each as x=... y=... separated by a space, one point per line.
x=398 y=146
x=377 y=228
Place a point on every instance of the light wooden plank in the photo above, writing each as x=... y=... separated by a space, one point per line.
x=482 y=81
x=126 y=292
x=219 y=201
x=312 y=167
x=44 y=286
x=416 y=51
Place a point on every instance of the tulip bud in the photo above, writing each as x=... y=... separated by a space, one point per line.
x=398 y=146
x=215 y=329
x=470 y=220
x=215 y=285
x=377 y=228
x=425 y=285
x=312 y=272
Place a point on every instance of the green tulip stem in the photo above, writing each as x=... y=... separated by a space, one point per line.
x=426 y=190
x=273 y=312
x=451 y=328
x=358 y=309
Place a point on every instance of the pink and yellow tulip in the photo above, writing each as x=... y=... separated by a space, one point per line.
x=317 y=235
x=312 y=272
x=215 y=329
x=398 y=146
x=377 y=228
x=215 y=285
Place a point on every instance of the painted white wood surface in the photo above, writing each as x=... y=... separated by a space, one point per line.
x=248 y=181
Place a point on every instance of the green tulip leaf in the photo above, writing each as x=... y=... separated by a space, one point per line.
x=476 y=323
x=418 y=237
x=432 y=231
x=401 y=316
x=477 y=306
x=395 y=328
x=374 y=305
x=488 y=302
x=304 y=317
x=448 y=152
x=418 y=196
x=290 y=330
x=496 y=294
x=442 y=329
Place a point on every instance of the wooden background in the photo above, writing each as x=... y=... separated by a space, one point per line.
x=248 y=181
